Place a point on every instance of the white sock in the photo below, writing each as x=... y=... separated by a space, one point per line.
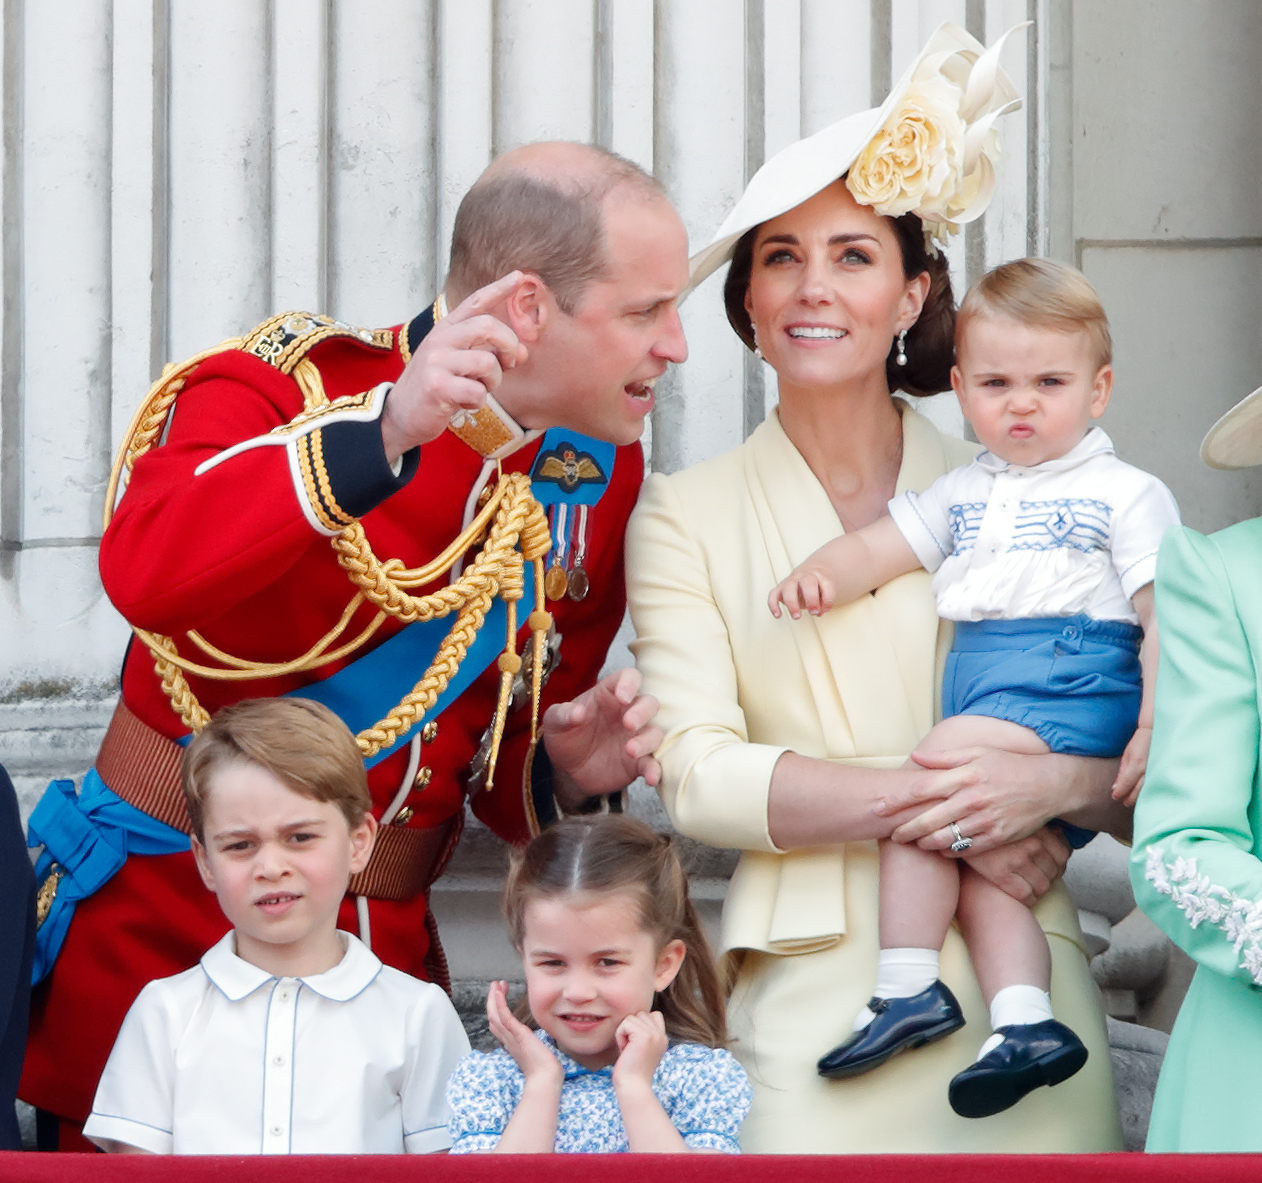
x=900 y=973
x=1014 y=1006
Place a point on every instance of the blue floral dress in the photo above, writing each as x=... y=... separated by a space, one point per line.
x=704 y=1091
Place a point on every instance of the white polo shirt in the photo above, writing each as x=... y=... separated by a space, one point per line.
x=227 y=1059
x=1075 y=535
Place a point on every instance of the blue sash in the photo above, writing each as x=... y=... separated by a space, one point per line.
x=89 y=836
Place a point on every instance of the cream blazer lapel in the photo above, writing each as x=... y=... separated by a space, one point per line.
x=871 y=671
x=870 y=663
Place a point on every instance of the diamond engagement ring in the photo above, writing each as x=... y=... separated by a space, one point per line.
x=961 y=843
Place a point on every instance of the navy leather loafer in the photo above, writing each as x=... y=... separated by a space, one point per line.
x=900 y=1023
x=1030 y=1056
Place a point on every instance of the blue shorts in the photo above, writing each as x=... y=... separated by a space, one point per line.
x=1075 y=682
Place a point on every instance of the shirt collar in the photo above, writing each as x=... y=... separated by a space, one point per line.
x=571 y=1066
x=237 y=978
x=1092 y=444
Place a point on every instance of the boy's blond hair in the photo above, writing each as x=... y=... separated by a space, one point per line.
x=300 y=742
x=1043 y=294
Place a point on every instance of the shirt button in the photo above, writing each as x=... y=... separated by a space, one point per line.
x=403 y=816
x=276 y=1131
x=284 y=996
x=429 y=732
x=423 y=778
x=279 y=1061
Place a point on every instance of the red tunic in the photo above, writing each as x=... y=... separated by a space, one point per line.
x=232 y=553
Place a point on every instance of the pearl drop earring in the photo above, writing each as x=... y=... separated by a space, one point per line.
x=901 y=358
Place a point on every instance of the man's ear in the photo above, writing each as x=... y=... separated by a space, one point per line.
x=530 y=308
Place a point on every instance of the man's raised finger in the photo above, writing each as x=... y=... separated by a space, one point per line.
x=485 y=297
x=482 y=334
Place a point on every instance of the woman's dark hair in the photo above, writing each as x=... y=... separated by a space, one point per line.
x=930 y=341
x=617 y=854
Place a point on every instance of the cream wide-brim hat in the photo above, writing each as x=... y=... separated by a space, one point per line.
x=801 y=170
x=1235 y=441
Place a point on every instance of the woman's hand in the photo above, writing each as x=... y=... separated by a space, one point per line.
x=534 y=1059
x=1002 y=796
x=1027 y=868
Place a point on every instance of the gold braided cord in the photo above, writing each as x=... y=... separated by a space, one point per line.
x=147 y=423
x=511 y=528
x=441 y=670
x=250 y=669
x=310 y=383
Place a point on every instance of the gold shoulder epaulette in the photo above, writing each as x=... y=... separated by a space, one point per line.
x=285 y=339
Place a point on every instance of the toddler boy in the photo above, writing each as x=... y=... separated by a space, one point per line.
x=289 y=1036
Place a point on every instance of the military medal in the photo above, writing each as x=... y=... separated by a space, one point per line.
x=579 y=583
x=569 y=475
x=555 y=580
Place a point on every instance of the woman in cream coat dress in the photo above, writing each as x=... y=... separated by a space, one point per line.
x=772 y=725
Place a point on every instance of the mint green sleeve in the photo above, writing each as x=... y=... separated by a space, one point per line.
x=1194 y=865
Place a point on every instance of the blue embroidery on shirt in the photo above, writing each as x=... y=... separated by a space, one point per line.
x=965 y=520
x=1076 y=522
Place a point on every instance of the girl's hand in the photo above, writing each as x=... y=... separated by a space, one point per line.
x=534 y=1059
x=1130 y=776
x=642 y=1043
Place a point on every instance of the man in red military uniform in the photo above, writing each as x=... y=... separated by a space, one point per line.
x=223 y=541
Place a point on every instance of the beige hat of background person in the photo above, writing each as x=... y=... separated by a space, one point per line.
x=1235 y=441
x=928 y=149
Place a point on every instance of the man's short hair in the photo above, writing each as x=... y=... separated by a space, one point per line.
x=1043 y=294
x=300 y=742
x=513 y=219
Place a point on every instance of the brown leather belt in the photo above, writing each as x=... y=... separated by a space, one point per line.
x=143 y=767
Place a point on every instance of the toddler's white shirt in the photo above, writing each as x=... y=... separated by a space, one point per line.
x=227 y=1059
x=1074 y=535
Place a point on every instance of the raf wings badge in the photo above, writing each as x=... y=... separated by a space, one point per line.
x=567 y=467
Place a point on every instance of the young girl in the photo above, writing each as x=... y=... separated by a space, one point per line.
x=1045 y=549
x=621 y=984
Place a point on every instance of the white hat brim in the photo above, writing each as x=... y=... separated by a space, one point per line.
x=804 y=168
x=1235 y=441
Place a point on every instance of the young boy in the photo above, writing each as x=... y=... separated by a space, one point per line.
x=1044 y=549
x=289 y=1037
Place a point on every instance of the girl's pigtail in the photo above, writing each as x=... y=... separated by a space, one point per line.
x=693 y=1004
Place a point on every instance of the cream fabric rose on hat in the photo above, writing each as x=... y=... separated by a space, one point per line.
x=915 y=161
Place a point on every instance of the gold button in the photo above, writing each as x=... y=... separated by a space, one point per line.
x=402 y=817
x=423 y=777
x=429 y=732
